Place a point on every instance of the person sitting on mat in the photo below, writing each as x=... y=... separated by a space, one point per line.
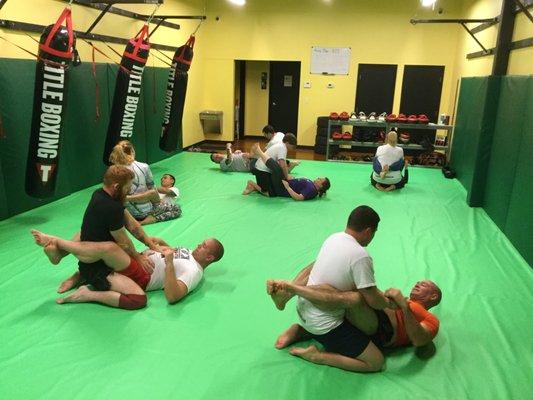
x=410 y=324
x=388 y=164
x=298 y=189
x=143 y=199
x=344 y=264
x=106 y=220
x=163 y=199
x=275 y=154
x=177 y=271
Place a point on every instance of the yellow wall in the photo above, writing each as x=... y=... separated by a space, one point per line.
x=256 y=99
x=378 y=31
x=279 y=30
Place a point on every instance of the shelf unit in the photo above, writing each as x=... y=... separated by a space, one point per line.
x=387 y=126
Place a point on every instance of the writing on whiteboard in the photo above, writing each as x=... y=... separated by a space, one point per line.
x=330 y=60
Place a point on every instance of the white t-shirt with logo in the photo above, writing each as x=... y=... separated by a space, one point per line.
x=277 y=138
x=344 y=264
x=168 y=199
x=186 y=268
x=277 y=152
x=388 y=155
x=142 y=182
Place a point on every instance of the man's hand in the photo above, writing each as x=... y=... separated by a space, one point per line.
x=228 y=146
x=168 y=253
x=160 y=244
x=397 y=297
x=285 y=183
x=146 y=263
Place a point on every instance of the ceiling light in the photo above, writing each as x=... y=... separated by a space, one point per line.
x=238 y=2
x=428 y=3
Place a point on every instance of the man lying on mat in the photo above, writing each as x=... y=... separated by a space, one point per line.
x=409 y=324
x=177 y=271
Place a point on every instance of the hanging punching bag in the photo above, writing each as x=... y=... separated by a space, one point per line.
x=171 y=134
x=56 y=50
x=127 y=91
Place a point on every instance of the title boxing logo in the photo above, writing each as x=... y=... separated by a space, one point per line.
x=132 y=101
x=168 y=97
x=50 y=120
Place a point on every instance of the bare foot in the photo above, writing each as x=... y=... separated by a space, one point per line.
x=280 y=296
x=249 y=188
x=309 y=354
x=82 y=295
x=52 y=252
x=41 y=239
x=290 y=336
x=69 y=283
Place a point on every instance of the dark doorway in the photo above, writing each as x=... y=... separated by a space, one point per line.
x=421 y=90
x=284 y=95
x=375 y=88
x=240 y=97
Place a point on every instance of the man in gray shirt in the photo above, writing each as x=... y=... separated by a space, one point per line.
x=232 y=161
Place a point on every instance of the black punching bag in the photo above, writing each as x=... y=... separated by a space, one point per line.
x=171 y=134
x=56 y=50
x=127 y=91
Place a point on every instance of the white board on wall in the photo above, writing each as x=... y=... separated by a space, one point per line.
x=330 y=60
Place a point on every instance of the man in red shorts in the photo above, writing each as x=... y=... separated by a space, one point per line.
x=177 y=271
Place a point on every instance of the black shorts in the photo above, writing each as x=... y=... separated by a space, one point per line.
x=95 y=274
x=345 y=339
x=384 y=331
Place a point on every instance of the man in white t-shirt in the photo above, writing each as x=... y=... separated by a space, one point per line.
x=272 y=136
x=388 y=165
x=342 y=263
x=276 y=153
x=177 y=271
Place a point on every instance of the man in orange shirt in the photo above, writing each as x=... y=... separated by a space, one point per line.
x=409 y=324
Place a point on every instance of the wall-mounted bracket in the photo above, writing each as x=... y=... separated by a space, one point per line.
x=26 y=27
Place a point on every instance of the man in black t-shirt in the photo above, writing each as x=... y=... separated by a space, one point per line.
x=105 y=219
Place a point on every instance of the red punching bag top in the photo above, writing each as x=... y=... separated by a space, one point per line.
x=140 y=45
x=184 y=55
x=58 y=37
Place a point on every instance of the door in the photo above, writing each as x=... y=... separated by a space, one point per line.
x=421 y=90
x=284 y=93
x=375 y=88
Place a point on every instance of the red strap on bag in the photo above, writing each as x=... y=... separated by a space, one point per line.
x=181 y=58
x=140 y=41
x=66 y=15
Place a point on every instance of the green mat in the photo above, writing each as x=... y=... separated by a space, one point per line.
x=218 y=342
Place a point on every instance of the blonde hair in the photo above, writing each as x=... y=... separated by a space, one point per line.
x=392 y=138
x=123 y=153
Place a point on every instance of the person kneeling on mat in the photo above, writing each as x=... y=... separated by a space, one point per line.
x=298 y=189
x=410 y=324
x=106 y=220
x=388 y=164
x=275 y=154
x=177 y=271
x=343 y=263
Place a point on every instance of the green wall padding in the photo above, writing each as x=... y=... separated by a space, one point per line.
x=519 y=223
x=3 y=199
x=505 y=148
x=83 y=137
x=476 y=111
x=154 y=100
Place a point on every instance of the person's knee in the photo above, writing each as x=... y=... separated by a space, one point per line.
x=377 y=363
x=132 y=301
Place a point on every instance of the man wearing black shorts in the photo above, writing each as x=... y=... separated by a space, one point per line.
x=106 y=219
x=344 y=264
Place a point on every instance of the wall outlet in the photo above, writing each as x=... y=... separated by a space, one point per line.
x=307 y=84
x=330 y=85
